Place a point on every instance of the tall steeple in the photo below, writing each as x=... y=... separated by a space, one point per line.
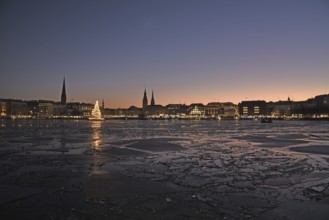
x=145 y=102
x=152 y=100
x=63 y=97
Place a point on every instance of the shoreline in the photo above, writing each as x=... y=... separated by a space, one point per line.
x=168 y=119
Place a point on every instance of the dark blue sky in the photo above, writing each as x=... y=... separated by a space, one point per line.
x=187 y=51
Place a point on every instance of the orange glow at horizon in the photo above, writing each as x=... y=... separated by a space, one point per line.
x=161 y=100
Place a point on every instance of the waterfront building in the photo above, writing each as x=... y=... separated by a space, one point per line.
x=79 y=109
x=17 y=108
x=317 y=107
x=214 y=109
x=196 y=110
x=156 y=110
x=322 y=100
x=85 y=109
x=3 y=108
x=251 y=109
x=229 y=110
x=225 y=110
x=297 y=109
x=33 y=106
x=45 y=108
x=304 y=109
x=120 y=113
x=133 y=112
x=108 y=113
x=13 y=108
x=177 y=110
x=59 y=109
x=322 y=105
x=282 y=109
x=41 y=108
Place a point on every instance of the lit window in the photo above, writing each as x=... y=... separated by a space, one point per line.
x=245 y=110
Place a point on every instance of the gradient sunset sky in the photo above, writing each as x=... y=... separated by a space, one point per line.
x=186 y=50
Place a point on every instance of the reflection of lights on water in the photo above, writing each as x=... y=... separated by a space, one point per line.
x=96 y=136
x=96 y=141
x=96 y=124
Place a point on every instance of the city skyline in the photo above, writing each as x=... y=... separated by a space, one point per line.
x=186 y=51
x=147 y=100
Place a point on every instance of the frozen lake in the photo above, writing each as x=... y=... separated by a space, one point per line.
x=75 y=137
x=164 y=169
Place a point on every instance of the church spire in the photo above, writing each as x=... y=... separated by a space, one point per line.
x=152 y=100
x=145 y=102
x=63 y=97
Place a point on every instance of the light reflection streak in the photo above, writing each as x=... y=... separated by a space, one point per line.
x=96 y=135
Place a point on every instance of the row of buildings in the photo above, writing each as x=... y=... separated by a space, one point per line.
x=317 y=107
x=50 y=109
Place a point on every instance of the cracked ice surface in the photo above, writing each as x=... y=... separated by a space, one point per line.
x=166 y=169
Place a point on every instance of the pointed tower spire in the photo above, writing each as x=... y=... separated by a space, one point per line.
x=145 y=102
x=152 y=100
x=103 y=105
x=63 y=97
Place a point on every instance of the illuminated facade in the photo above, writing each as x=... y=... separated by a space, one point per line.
x=317 y=107
x=177 y=110
x=79 y=109
x=46 y=109
x=280 y=109
x=17 y=108
x=156 y=110
x=197 y=110
x=3 y=108
x=230 y=110
x=252 y=108
x=214 y=109
x=85 y=109
x=224 y=110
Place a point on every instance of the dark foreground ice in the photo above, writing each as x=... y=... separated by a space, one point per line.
x=164 y=170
